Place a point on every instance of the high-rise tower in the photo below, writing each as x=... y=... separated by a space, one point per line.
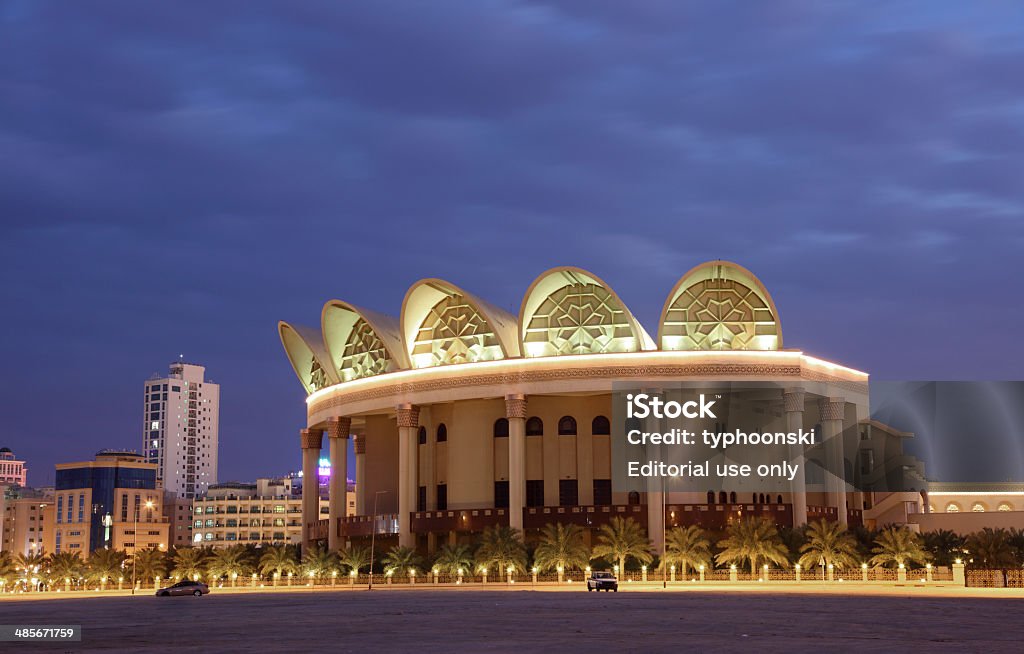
x=180 y=431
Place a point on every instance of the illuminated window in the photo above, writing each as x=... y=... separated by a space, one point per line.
x=579 y=318
x=952 y=507
x=454 y=331
x=978 y=507
x=1005 y=506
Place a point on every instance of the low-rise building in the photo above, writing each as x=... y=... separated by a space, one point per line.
x=111 y=502
x=24 y=519
x=12 y=471
x=265 y=512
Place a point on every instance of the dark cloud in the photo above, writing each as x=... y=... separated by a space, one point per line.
x=175 y=181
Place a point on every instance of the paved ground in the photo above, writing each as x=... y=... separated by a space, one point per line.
x=466 y=620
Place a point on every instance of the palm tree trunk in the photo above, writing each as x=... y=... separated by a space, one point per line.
x=622 y=565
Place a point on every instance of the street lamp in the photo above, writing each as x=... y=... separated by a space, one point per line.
x=135 y=546
x=373 y=536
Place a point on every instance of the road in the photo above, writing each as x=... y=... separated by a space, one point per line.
x=430 y=620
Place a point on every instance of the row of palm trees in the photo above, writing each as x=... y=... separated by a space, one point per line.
x=749 y=542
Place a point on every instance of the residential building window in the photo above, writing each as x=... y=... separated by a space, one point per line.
x=60 y=509
x=81 y=507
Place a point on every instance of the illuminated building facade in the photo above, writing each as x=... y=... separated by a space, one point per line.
x=462 y=415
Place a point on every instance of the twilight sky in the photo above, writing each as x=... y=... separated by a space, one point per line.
x=176 y=180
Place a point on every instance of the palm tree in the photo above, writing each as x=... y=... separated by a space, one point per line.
x=8 y=570
x=106 y=564
x=753 y=540
x=561 y=548
x=990 y=548
x=66 y=565
x=401 y=558
x=33 y=564
x=943 y=545
x=620 y=539
x=453 y=558
x=899 y=546
x=830 y=544
x=278 y=559
x=150 y=564
x=687 y=547
x=189 y=562
x=319 y=561
x=354 y=558
x=501 y=548
x=227 y=562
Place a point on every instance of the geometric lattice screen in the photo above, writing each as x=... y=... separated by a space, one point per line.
x=317 y=376
x=364 y=354
x=579 y=319
x=720 y=314
x=453 y=331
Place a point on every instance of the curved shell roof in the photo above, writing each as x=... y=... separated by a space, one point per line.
x=568 y=310
x=442 y=323
x=718 y=305
x=306 y=352
x=360 y=342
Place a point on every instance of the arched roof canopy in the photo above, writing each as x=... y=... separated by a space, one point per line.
x=443 y=324
x=307 y=355
x=568 y=310
x=359 y=342
x=719 y=305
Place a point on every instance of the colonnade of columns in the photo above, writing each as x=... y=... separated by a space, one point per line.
x=831 y=411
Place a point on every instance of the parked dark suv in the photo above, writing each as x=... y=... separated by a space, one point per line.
x=602 y=581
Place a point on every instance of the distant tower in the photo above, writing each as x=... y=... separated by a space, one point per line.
x=180 y=432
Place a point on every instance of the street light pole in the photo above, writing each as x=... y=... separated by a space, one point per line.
x=373 y=535
x=135 y=546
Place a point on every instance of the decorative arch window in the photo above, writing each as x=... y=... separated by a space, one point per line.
x=600 y=426
x=501 y=428
x=779 y=500
x=711 y=497
x=722 y=497
x=634 y=497
x=978 y=507
x=442 y=433
x=952 y=507
x=421 y=435
x=1005 y=506
x=732 y=497
x=567 y=426
x=534 y=426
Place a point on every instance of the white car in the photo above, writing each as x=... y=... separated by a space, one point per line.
x=602 y=581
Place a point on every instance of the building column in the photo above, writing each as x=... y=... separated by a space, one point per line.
x=337 y=436
x=359 y=447
x=408 y=423
x=515 y=412
x=311 y=440
x=833 y=410
x=793 y=403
